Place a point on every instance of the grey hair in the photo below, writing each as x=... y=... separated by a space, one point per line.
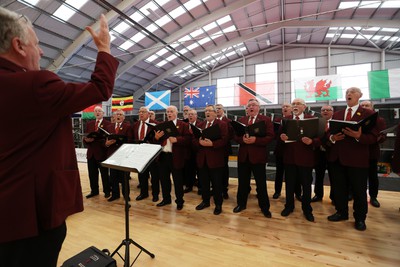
x=12 y=25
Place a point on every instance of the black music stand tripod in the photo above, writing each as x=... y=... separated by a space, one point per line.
x=128 y=241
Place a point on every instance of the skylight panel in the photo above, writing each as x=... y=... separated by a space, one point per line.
x=370 y=4
x=184 y=39
x=372 y=29
x=31 y=2
x=149 y=7
x=120 y=28
x=224 y=20
x=177 y=12
x=162 y=52
x=138 y=37
x=229 y=29
x=162 y=2
x=210 y=26
x=377 y=37
x=330 y=35
x=161 y=63
x=367 y=36
x=128 y=44
x=164 y=20
x=391 y=4
x=64 y=13
x=347 y=36
x=76 y=3
x=187 y=67
x=390 y=29
x=192 y=70
x=177 y=72
x=230 y=53
x=344 y=5
x=191 y=4
x=204 y=40
x=137 y=17
x=171 y=57
x=192 y=46
x=152 y=58
x=196 y=33
x=394 y=38
x=152 y=27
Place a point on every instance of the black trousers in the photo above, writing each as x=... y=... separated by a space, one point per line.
x=279 y=174
x=190 y=171
x=356 y=178
x=294 y=174
x=93 y=170
x=225 y=175
x=320 y=169
x=213 y=175
x=117 y=177
x=41 y=250
x=373 y=181
x=166 y=168
x=153 y=169
x=244 y=174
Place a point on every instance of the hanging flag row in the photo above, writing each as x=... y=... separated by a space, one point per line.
x=384 y=83
x=122 y=102
x=320 y=88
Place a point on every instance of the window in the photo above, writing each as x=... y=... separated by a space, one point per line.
x=354 y=75
x=267 y=82
x=226 y=91
x=300 y=69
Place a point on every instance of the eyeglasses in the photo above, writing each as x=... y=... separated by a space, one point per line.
x=323 y=110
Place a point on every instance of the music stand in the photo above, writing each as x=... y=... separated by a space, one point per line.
x=128 y=241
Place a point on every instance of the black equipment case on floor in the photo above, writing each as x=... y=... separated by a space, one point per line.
x=90 y=257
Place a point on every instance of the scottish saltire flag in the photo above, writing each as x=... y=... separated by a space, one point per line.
x=122 y=102
x=384 y=83
x=264 y=92
x=198 y=97
x=328 y=87
x=157 y=100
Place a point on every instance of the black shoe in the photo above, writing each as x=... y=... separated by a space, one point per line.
x=202 y=205
x=266 y=213
x=107 y=195
x=92 y=195
x=112 y=198
x=238 y=208
x=187 y=190
x=155 y=199
x=217 y=210
x=309 y=216
x=225 y=195
x=360 y=225
x=140 y=197
x=299 y=198
x=285 y=212
x=316 y=199
x=374 y=202
x=338 y=217
x=276 y=196
x=179 y=206
x=163 y=203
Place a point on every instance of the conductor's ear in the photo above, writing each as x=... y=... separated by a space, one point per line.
x=18 y=46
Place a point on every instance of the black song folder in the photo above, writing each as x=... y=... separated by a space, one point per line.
x=257 y=129
x=336 y=126
x=213 y=133
x=310 y=127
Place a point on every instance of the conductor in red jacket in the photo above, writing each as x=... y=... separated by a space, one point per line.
x=39 y=177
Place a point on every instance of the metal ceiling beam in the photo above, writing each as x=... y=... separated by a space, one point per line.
x=85 y=37
x=184 y=31
x=268 y=29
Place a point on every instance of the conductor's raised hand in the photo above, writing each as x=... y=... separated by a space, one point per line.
x=101 y=38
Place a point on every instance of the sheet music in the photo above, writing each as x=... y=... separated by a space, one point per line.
x=131 y=157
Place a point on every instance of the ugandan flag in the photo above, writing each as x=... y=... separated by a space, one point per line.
x=122 y=102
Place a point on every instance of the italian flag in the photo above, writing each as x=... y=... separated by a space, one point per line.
x=384 y=83
x=319 y=88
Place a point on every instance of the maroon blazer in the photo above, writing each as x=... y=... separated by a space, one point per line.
x=135 y=130
x=374 y=149
x=256 y=153
x=39 y=176
x=96 y=148
x=349 y=151
x=124 y=129
x=213 y=156
x=396 y=153
x=298 y=153
x=180 y=149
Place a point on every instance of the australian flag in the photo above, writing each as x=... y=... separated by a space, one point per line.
x=198 y=97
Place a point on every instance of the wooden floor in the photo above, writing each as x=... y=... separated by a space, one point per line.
x=199 y=238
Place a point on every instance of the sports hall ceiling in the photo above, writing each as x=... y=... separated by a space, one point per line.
x=164 y=44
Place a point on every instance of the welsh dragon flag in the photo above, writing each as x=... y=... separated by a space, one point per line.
x=384 y=83
x=318 y=88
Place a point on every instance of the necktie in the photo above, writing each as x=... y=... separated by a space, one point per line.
x=117 y=128
x=96 y=126
x=297 y=118
x=348 y=115
x=208 y=124
x=141 y=135
x=251 y=120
